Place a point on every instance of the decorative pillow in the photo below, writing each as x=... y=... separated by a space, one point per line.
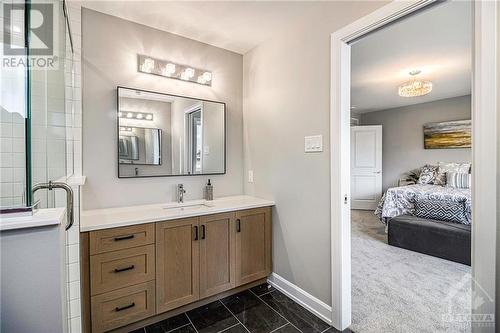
x=458 y=180
x=427 y=174
x=450 y=211
x=444 y=168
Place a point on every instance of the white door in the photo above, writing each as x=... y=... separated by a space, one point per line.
x=366 y=166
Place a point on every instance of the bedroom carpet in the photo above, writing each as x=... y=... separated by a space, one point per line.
x=396 y=290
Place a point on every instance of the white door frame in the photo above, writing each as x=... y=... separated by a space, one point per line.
x=484 y=148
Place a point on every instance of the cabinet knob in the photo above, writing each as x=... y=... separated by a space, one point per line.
x=238 y=225
x=202 y=231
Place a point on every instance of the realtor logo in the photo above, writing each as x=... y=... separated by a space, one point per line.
x=42 y=24
x=41 y=29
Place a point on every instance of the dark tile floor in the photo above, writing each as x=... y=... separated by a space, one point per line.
x=261 y=309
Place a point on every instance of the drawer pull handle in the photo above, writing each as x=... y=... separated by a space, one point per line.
x=118 y=270
x=118 y=309
x=117 y=239
x=238 y=225
x=203 y=231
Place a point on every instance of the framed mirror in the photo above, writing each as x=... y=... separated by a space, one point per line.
x=167 y=135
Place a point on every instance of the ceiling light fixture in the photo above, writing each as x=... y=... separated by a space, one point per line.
x=414 y=87
x=172 y=70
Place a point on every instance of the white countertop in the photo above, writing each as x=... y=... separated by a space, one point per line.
x=123 y=216
x=41 y=218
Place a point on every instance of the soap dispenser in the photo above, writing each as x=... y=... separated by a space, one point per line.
x=209 y=191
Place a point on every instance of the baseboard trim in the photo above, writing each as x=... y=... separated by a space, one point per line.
x=308 y=301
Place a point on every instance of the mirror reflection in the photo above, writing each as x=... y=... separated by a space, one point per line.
x=167 y=135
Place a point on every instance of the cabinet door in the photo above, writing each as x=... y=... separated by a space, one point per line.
x=216 y=251
x=252 y=245
x=177 y=263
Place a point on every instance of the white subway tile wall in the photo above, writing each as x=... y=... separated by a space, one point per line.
x=73 y=111
x=55 y=143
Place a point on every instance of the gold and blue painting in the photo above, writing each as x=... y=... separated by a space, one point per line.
x=448 y=135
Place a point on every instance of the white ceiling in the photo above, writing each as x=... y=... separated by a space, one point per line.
x=237 y=26
x=436 y=41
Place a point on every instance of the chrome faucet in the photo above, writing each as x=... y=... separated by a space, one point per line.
x=180 y=193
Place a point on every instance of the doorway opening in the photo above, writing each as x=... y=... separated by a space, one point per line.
x=343 y=194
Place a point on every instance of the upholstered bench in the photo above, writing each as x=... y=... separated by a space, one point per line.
x=447 y=240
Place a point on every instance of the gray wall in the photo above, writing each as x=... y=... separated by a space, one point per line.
x=286 y=97
x=110 y=59
x=403 y=137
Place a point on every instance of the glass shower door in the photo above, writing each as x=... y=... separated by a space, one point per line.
x=36 y=114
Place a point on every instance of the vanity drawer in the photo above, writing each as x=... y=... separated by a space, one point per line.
x=115 y=270
x=121 y=238
x=122 y=307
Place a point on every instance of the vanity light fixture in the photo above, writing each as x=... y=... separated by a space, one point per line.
x=172 y=70
x=135 y=115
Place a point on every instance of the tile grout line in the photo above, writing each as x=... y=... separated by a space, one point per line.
x=180 y=327
x=275 y=311
x=224 y=305
x=267 y=292
x=228 y=328
x=279 y=313
x=278 y=328
x=191 y=322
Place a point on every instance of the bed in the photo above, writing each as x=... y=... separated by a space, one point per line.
x=430 y=219
x=426 y=201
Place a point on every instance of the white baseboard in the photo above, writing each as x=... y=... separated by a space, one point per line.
x=302 y=297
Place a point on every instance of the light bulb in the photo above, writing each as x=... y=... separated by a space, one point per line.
x=201 y=79
x=189 y=72
x=148 y=65
x=169 y=69
x=139 y=116
x=149 y=117
x=130 y=115
x=122 y=128
x=207 y=76
x=120 y=114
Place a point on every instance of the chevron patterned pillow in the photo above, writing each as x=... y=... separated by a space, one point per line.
x=450 y=211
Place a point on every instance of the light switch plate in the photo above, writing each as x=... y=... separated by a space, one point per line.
x=313 y=143
x=250 y=176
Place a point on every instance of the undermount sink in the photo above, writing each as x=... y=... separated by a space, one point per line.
x=187 y=206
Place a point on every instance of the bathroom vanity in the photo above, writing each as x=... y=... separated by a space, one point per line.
x=150 y=262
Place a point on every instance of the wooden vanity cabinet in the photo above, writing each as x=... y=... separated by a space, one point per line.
x=177 y=263
x=252 y=245
x=217 y=235
x=145 y=270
